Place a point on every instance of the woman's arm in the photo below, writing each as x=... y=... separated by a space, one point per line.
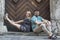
x=20 y=21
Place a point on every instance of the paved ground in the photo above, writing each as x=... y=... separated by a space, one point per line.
x=24 y=36
x=19 y=37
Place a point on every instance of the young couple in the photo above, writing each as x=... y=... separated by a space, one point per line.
x=38 y=23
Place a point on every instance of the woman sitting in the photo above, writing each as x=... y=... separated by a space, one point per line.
x=26 y=26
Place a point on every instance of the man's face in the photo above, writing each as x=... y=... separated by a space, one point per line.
x=37 y=13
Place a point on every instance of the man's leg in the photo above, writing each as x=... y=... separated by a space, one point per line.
x=51 y=35
x=37 y=29
x=44 y=28
x=49 y=27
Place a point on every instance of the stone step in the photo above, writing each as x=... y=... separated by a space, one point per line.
x=22 y=33
x=25 y=33
x=19 y=37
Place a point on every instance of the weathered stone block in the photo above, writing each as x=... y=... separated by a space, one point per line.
x=54 y=26
x=57 y=14
x=58 y=25
x=2 y=28
x=2 y=11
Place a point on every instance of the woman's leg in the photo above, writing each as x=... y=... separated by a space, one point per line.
x=13 y=23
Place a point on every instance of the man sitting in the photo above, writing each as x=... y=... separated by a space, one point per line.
x=39 y=23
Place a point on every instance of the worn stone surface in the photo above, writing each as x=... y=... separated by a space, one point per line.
x=18 y=37
x=2 y=28
x=58 y=25
x=25 y=36
x=55 y=13
x=2 y=11
x=54 y=26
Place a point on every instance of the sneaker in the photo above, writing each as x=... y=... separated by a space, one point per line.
x=52 y=37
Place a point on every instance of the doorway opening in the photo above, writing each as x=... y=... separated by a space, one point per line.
x=16 y=10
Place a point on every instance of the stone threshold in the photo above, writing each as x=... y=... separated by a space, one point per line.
x=25 y=34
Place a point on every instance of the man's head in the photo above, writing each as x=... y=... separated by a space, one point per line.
x=36 y=12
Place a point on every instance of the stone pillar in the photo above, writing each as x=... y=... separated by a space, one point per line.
x=55 y=14
x=2 y=11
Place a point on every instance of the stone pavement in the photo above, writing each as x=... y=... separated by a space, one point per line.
x=24 y=36
x=19 y=37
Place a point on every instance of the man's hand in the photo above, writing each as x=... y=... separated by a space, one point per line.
x=38 y=22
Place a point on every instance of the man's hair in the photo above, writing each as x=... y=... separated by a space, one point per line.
x=36 y=10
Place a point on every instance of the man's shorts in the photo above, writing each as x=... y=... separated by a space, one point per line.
x=39 y=30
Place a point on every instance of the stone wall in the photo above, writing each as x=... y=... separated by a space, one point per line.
x=2 y=11
x=55 y=14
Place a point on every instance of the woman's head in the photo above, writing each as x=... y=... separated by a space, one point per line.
x=28 y=14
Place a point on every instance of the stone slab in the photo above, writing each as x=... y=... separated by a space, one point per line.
x=13 y=37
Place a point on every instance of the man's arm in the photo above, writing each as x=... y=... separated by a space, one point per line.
x=35 y=20
x=38 y=22
x=44 y=21
x=20 y=21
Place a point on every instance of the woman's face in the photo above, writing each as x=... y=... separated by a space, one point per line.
x=28 y=14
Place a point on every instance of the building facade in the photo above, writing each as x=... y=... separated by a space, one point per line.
x=54 y=15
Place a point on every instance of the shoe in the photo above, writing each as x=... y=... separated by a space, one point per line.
x=52 y=37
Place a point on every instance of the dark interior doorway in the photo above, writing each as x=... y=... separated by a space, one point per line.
x=16 y=10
